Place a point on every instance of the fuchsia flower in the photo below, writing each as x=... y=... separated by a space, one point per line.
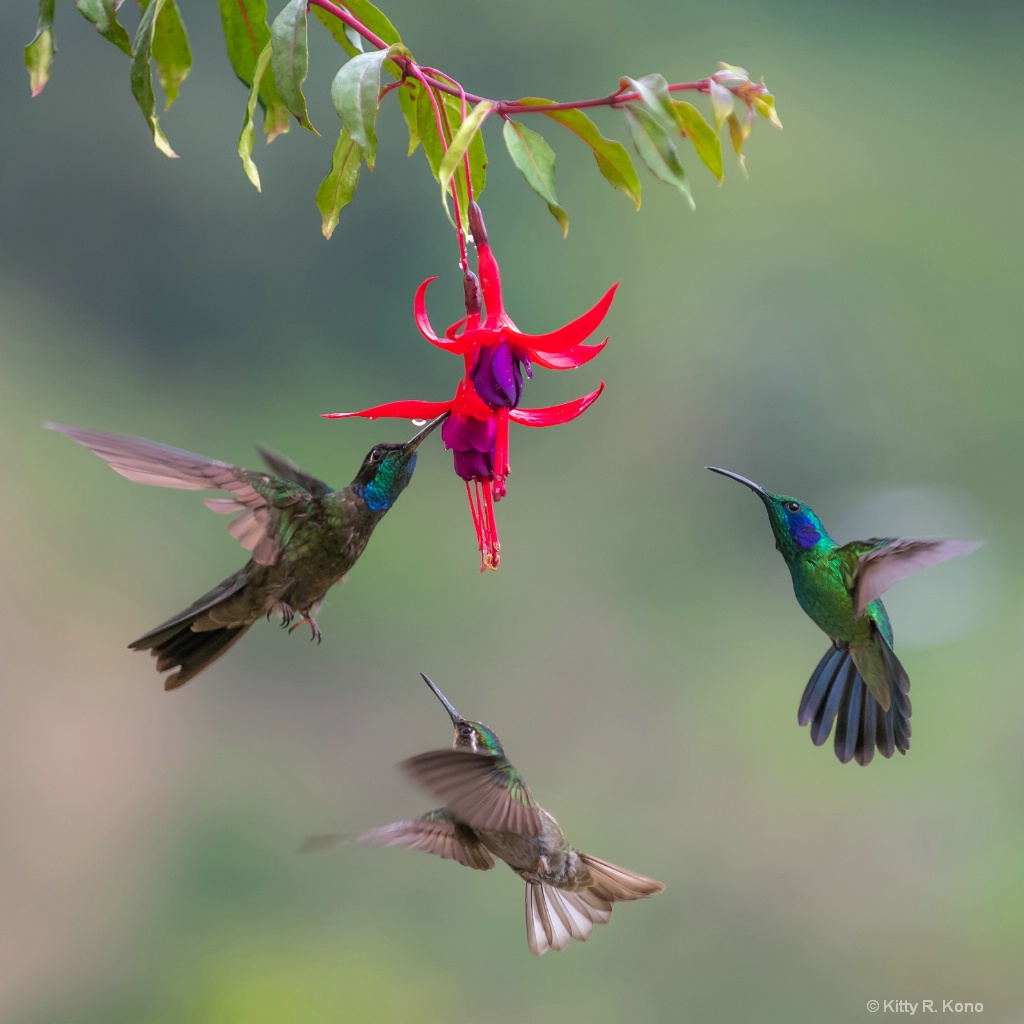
x=496 y=355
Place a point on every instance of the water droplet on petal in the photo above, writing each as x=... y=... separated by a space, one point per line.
x=419 y=423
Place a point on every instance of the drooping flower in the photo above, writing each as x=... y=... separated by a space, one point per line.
x=496 y=353
x=471 y=432
x=497 y=356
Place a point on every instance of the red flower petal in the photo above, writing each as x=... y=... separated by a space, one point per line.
x=419 y=306
x=570 y=359
x=572 y=333
x=555 y=414
x=490 y=279
x=407 y=410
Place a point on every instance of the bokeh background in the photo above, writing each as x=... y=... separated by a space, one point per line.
x=843 y=327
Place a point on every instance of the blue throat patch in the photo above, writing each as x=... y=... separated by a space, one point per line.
x=380 y=493
x=803 y=532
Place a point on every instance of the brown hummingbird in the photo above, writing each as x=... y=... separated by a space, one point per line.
x=304 y=536
x=488 y=812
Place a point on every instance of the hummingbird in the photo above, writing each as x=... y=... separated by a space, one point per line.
x=303 y=534
x=859 y=684
x=489 y=813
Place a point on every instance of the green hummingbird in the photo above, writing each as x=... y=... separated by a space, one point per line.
x=304 y=536
x=859 y=684
x=488 y=812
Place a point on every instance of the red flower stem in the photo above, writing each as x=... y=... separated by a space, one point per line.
x=433 y=79
x=351 y=21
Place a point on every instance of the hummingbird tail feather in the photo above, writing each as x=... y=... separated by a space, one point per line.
x=555 y=916
x=610 y=882
x=188 y=650
x=836 y=692
x=176 y=643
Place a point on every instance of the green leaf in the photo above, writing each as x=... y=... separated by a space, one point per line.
x=657 y=150
x=142 y=74
x=457 y=148
x=355 y=93
x=171 y=51
x=248 y=136
x=246 y=33
x=704 y=138
x=365 y=12
x=408 y=95
x=103 y=15
x=290 y=58
x=336 y=190
x=612 y=157
x=535 y=159
x=433 y=149
x=39 y=53
x=654 y=98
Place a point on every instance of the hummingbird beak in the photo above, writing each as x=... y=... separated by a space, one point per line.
x=756 y=488
x=414 y=442
x=455 y=716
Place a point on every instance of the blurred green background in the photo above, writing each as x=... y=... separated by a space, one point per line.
x=843 y=327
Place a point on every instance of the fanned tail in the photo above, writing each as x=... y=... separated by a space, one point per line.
x=177 y=644
x=554 y=916
x=837 y=693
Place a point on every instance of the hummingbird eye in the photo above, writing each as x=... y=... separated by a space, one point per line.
x=376 y=454
x=792 y=506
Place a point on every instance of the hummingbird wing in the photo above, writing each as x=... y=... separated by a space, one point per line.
x=259 y=497
x=287 y=470
x=480 y=790
x=434 y=833
x=878 y=563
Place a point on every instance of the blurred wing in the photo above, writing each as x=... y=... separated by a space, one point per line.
x=257 y=496
x=287 y=469
x=891 y=559
x=481 y=790
x=434 y=833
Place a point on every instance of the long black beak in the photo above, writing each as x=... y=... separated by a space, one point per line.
x=756 y=488
x=456 y=717
x=414 y=442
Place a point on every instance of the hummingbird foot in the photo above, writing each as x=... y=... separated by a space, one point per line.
x=287 y=614
x=314 y=629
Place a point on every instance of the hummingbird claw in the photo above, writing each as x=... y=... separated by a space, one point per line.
x=314 y=629
x=287 y=614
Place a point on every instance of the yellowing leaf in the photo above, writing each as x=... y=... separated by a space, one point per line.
x=248 y=136
x=336 y=190
x=39 y=53
x=704 y=138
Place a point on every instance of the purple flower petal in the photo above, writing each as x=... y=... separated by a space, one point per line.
x=497 y=375
x=480 y=434
x=474 y=465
